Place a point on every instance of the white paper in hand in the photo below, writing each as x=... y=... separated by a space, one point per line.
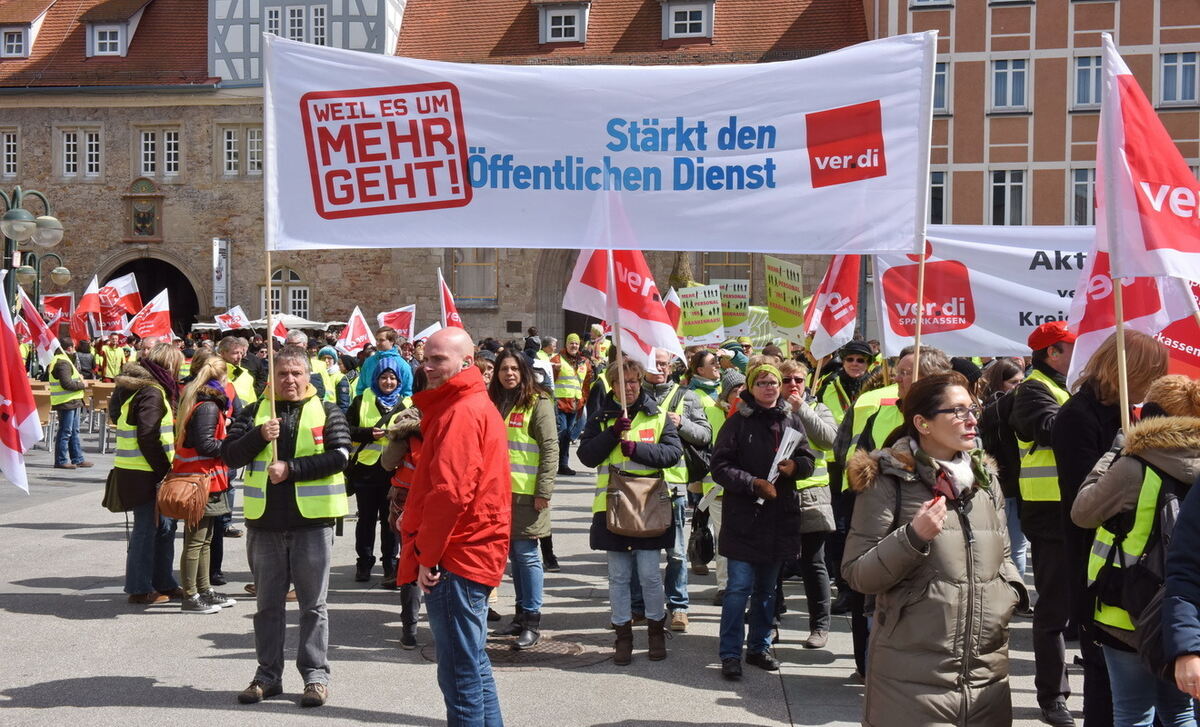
x=787 y=444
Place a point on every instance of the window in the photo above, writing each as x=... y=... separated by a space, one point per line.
x=726 y=265
x=1083 y=196
x=319 y=33
x=941 y=100
x=475 y=277
x=1008 y=197
x=1179 y=78
x=240 y=152
x=286 y=285
x=565 y=23
x=273 y=21
x=919 y=3
x=1087 y=82
x=295 y=26
x=80 y=151
x=13 y=44
x=937 y=198
x=564 y=26
x=158 y=152
x=687 y=19
x=8 y=153
x=106 y=40
x=1008 y=84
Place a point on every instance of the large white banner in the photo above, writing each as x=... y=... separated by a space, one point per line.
x=821 y=155
x=986 y=288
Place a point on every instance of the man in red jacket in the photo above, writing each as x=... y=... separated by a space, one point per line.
x=457 y=522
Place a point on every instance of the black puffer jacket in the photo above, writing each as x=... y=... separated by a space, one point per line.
x=595 y=445
x=202 y=425
x=746 y=446
x=1000 y=442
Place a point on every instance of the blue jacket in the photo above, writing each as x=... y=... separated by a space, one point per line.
x=367 y=375
x=1181 y=607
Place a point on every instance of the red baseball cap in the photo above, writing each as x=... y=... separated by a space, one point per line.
x=1048 y=334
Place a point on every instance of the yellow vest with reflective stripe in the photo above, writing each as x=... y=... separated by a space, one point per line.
x=820 y=475
x=833 y=395
x=1039 y=470
x=320 y=498
x=368 y=408
x=243 y=384
x=716 y=418
x=524 y=454
x=331 y=384
x=59 y=395
x=1131 y=549
x=645 y=428
x=602 y=382
x=677 y=475
x=185 y=369
x=865 y=405
x=568 y=384
x=128 y=455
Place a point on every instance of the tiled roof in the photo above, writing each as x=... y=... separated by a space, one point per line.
x=628 y=32
x=170 y=47
x=113 y=11
x=22 y=11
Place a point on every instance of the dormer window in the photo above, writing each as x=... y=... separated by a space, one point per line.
x=687 y=19
x=562 y=22
x=106 y=40
x=12 y=43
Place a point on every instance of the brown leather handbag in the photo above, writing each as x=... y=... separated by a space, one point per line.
x=183 y=496
x=639 y=506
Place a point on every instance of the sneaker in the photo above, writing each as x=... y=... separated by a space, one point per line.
x=408 y=637
x=315 y=694
x=219 y=600
x=551 y=565
x=67 y=466
x=84 y=463
x=257 y=691
x=232 y=532
x=1058 y=715
x=566 y=471
x=763 y=660
x=679 y=621
x=196 y=604
x=218 y=579
x=731 y=669
x=148 y=599
x=817 y=640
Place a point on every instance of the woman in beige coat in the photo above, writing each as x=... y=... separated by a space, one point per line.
x=928 y=538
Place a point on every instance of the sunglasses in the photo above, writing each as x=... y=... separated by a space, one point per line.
x=854 y=359
x=961 y=413
x=792 y=380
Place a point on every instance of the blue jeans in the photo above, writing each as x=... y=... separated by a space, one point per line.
x=67 y=448
x=527 y=573
x=457 y=611
x=150 y=560
x=566 y=426
x=675 y=581
x=1016 y=538
x=278 y=559
x=1138 y=696
x=621 y=566
x=753 y=582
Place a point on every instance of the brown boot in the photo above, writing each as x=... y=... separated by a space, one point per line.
x=623 y=649
x=658 y=639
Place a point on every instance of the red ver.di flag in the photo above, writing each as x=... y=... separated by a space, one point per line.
x=60 y=304
x=233 y=319
x=450 y=316
x=152 y=320
x=371 y=150
x=832 y=313
x=44 y=339
x=356 y=335
x=20 y=427
x=122 y=293
x=1147 y=199
x=402 y=320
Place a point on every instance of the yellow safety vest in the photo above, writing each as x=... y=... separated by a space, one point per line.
x=185 y=369
x=601 y=348
x=331 y=384
x=602 y=382
x=1131 y=548
x=543 y=355
x=114 y=361
x=1039 y=469
x=716 y=419
x=568 y=384
x=243 y=384
x=59 y=395
x=524 y=454
x=865 y=405
x=128 y=454
x=644 y=428
x=834 y=396
x=678 y=474
x=320 y=498
x=368 y=408
x=820 y=475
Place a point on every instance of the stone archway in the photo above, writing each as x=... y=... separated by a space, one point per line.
x=190 y=300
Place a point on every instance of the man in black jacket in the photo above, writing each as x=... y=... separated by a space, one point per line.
x=1035 y=405
x=67 y=397
x=294 y=493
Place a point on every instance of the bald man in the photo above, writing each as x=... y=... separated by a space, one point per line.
x=457 y=521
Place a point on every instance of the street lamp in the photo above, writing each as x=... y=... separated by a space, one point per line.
x=19 y=226
x=30 y=273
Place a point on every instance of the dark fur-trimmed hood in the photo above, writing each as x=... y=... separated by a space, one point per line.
x=864 y=468
x=1170 y=443
x=405 y=424
x=134 y=377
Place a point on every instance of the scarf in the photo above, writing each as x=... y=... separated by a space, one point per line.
x=388 y=400
x=164 y=379
x=955 y=477
x=708 y=386
x=218 y=386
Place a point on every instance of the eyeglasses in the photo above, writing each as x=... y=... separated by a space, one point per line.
x=854 y=359
x=792 y=380
x=962 y=412
x=767 y=384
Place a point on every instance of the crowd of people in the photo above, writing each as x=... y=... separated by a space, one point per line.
x=913 y=494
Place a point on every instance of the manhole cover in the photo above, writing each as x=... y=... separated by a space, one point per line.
x=557 y=651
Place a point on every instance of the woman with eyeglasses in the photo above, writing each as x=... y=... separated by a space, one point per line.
x=929 y=540
x=760 y=525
